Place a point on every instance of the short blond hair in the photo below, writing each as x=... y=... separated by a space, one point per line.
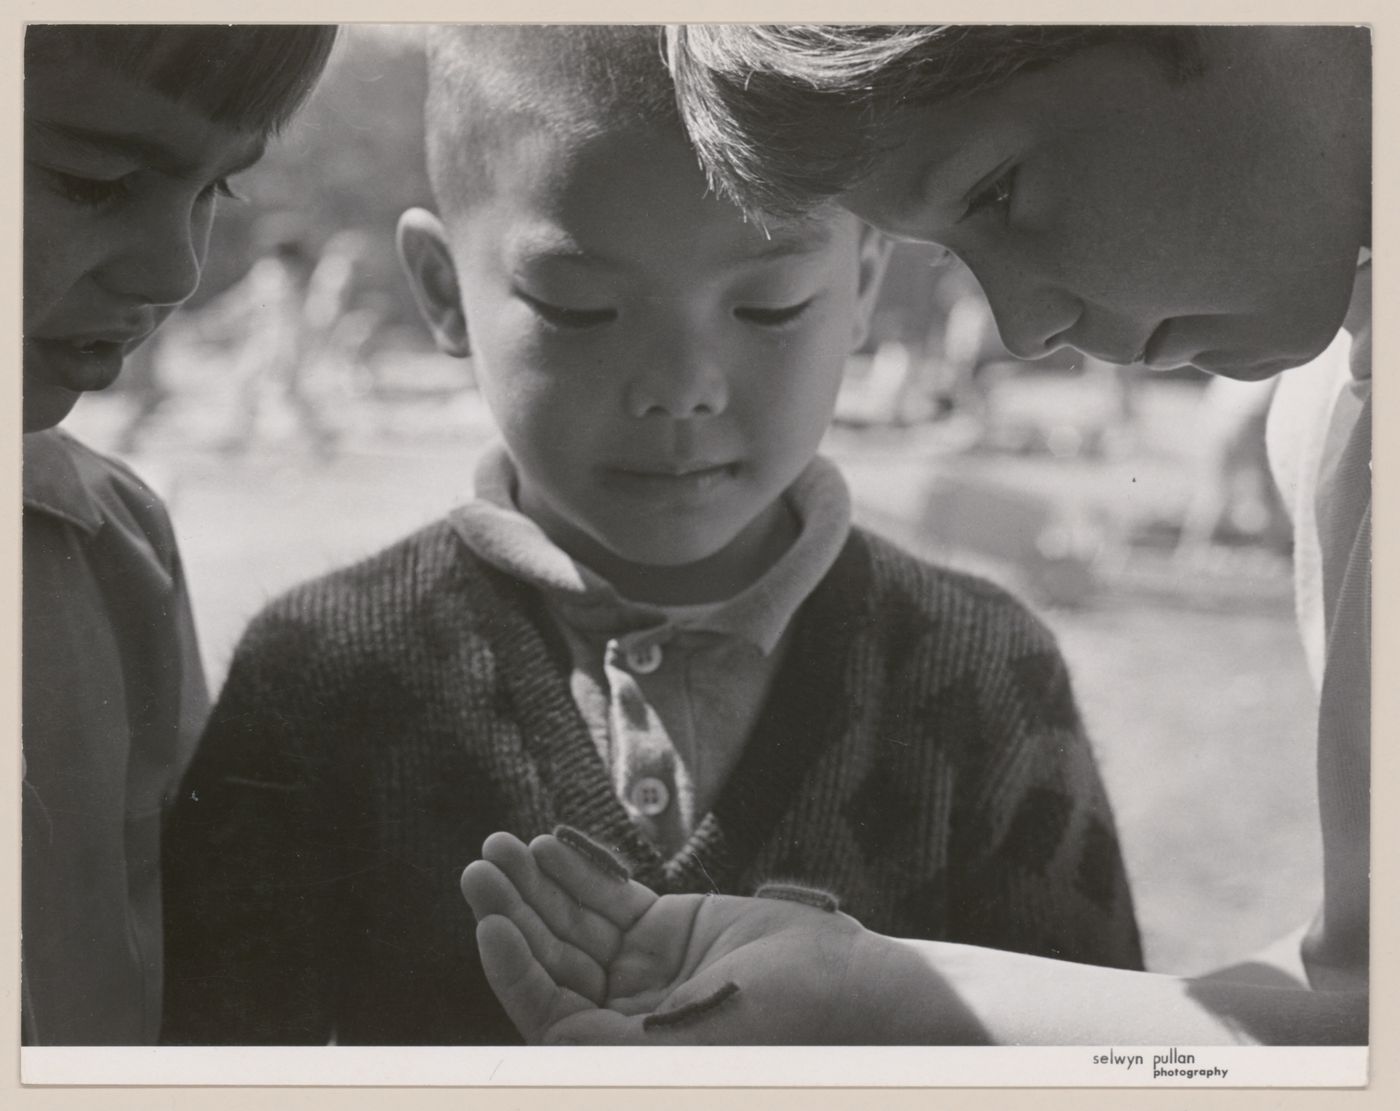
x=787 y=117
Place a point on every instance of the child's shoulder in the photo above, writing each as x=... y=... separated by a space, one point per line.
x=412 y=566
x=902 y=587
x=95 y=466
x=933 y=626
x=66 y=477
x=408 y=587
x=895 y=568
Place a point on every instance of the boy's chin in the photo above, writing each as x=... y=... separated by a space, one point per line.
x=1251 y=370
x=667 y=571
x=670 y=560
x=45 y=408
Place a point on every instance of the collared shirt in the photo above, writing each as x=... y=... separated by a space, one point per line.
x=114 y=698
x=1320 y=449
x=669 y=694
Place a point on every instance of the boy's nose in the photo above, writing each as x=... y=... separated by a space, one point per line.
x=1032 y=316
x=678 y=383
x=164 y=257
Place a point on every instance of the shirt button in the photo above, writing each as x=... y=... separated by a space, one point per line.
x=650 y=796
x=644 y=658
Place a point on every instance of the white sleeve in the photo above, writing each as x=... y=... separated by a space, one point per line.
x=1295 y=436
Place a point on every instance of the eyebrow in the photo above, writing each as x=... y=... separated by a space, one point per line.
x=553 y=246
x=953 y=177
x=542 y=247
x=801 y=240
x=134 y=145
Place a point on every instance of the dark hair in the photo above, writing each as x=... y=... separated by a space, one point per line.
x=490 y=86
x=250 y=77
x=787 y=117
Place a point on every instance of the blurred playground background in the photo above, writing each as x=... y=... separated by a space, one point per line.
x=296 y=417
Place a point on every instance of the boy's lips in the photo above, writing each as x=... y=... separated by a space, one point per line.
x=1116 y=353
x=1159 y=352
x=693 y=477
x=84 y=363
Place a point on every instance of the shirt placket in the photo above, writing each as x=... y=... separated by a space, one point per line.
x=648 y=778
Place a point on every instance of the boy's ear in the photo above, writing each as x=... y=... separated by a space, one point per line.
x=427 y=263
x=875 y=251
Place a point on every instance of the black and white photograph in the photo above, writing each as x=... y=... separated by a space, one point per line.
x=845 y=540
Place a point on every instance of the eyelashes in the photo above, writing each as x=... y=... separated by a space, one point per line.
x=221 y=188
x=88 y=191
x=774 y=318
x=91 y=192
x=578 y=320
x=994 y=200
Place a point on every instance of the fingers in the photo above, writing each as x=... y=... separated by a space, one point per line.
x=528 y=993
x=620 y=901
x=490 y=892
x=565 y=917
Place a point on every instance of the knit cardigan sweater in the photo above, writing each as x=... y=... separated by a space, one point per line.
x=920 y=756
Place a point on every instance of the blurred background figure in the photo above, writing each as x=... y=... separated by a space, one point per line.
x=145 y=387
x=1130 y=506
x=338 y=318
x=263 y=317
x=879 y=386
x=1234 y=499
x=962 y=339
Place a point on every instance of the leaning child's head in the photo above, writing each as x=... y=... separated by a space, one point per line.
x=1168 y=195
x=131 y=133
x=661 y=369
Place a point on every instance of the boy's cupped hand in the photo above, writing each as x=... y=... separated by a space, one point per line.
x=579 y=953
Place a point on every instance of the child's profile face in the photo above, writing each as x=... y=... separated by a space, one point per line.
x=119 y=191
x=661 y=370
x=1105 y=208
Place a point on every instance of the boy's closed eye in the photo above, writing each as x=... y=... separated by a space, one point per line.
x=559 y=316
x=993 y=196
x=89 y=191
x=94 y=192
x=773 y=317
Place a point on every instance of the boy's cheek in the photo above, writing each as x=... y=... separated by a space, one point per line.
x=41 y=259
x=55 y=262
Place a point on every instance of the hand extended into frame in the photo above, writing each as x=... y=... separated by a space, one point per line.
x=578 y=952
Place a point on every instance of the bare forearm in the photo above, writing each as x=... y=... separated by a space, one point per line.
x=943 y=993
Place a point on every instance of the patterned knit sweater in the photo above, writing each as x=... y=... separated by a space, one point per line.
x=920 y=756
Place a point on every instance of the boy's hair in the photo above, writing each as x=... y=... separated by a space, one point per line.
x=249 y=77
x=786 y=117
x=490 y=88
